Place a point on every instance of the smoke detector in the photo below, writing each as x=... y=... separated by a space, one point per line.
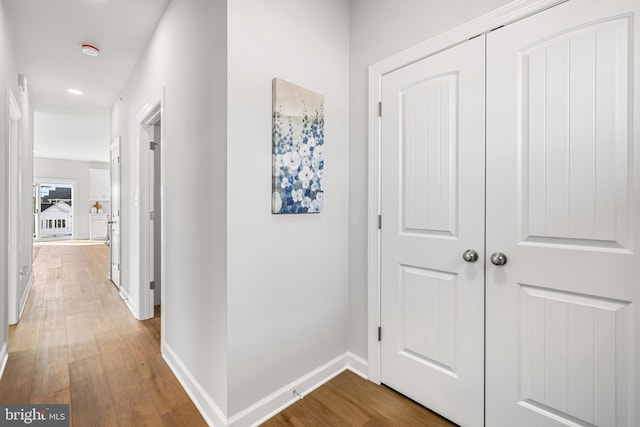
x=89 y=49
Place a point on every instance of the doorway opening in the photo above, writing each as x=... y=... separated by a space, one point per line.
x=155 y=208
x=54 y=210
x=151 y=139
x=113 y=238
x=19 y=265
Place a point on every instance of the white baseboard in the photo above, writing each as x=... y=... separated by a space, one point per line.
x=207 y=407
x=133 y=308
x=269 y=406
x=4 y=357
x=25 y=296
x=357 y=365
x=281 y=399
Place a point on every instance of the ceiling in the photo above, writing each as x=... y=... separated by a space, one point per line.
x=49 y=35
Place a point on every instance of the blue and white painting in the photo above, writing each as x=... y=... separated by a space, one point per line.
x=298 y=149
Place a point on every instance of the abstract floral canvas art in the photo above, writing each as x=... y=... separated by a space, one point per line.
x=298 y=149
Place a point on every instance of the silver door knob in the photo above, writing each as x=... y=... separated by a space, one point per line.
x=498 y=258
x=470 y=255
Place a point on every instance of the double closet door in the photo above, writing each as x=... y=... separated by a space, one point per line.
x=510 y=196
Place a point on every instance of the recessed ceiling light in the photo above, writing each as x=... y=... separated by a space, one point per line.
x=75 y=91
x=89 y=49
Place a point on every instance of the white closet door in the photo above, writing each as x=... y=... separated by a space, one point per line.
x=115 y=213
x=432 y=208
x=563 y=192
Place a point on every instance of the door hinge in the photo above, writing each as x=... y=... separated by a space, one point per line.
x=152 y=216
x=152 y=284
x=379 y=333
x=380 y=109
x=379 y=222
x=153 y=145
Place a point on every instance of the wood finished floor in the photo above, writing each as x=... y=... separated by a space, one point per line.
x=78 y=344
x=349 y=400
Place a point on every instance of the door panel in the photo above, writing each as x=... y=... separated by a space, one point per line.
x=562 y=203
x=115 y=213
x=432 y=207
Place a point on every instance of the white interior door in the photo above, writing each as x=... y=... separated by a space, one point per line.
x=152 y=202
x=115 y=213
x=432 y=204
x=14 y=269
x=563 y=190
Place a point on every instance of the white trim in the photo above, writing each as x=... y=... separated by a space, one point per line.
x=13 y=195
x=4 y=357
x=115 y=144
x=133 y=308
x=14 y=109
x=74 y=200
x=209 y=410
x=25 y=297
x=504 y=15
x=150 y=113
x=271 y=405
x=357 y=365
x=163 y=223
x=53 y=239
x=277 y=401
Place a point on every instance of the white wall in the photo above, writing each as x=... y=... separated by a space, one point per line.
x=72 y=136
x=187 y=57
x=78 y=171
x=287 y=273
x=379 y=29
x=286 y=276
x=255 y=301
x=8 y=69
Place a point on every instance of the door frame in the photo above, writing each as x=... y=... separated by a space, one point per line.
x=14 y=269
x=115 y=144
x=504 y=15
x=151 y=113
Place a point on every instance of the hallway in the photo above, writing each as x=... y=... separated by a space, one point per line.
x=78 y=344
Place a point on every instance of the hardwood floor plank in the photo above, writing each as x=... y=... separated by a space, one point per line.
x=284 y=419
x=23 y=337
x=78 y=344
x=163 y=386
x=51 y=370
x=16 y=383
x=91 y=402
x=138 y=411
x=342 y=404
x=314 y=413
x=81 y=340
x=354 y=401
x=124 y=379
x=183 y=415
x=62 y=396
